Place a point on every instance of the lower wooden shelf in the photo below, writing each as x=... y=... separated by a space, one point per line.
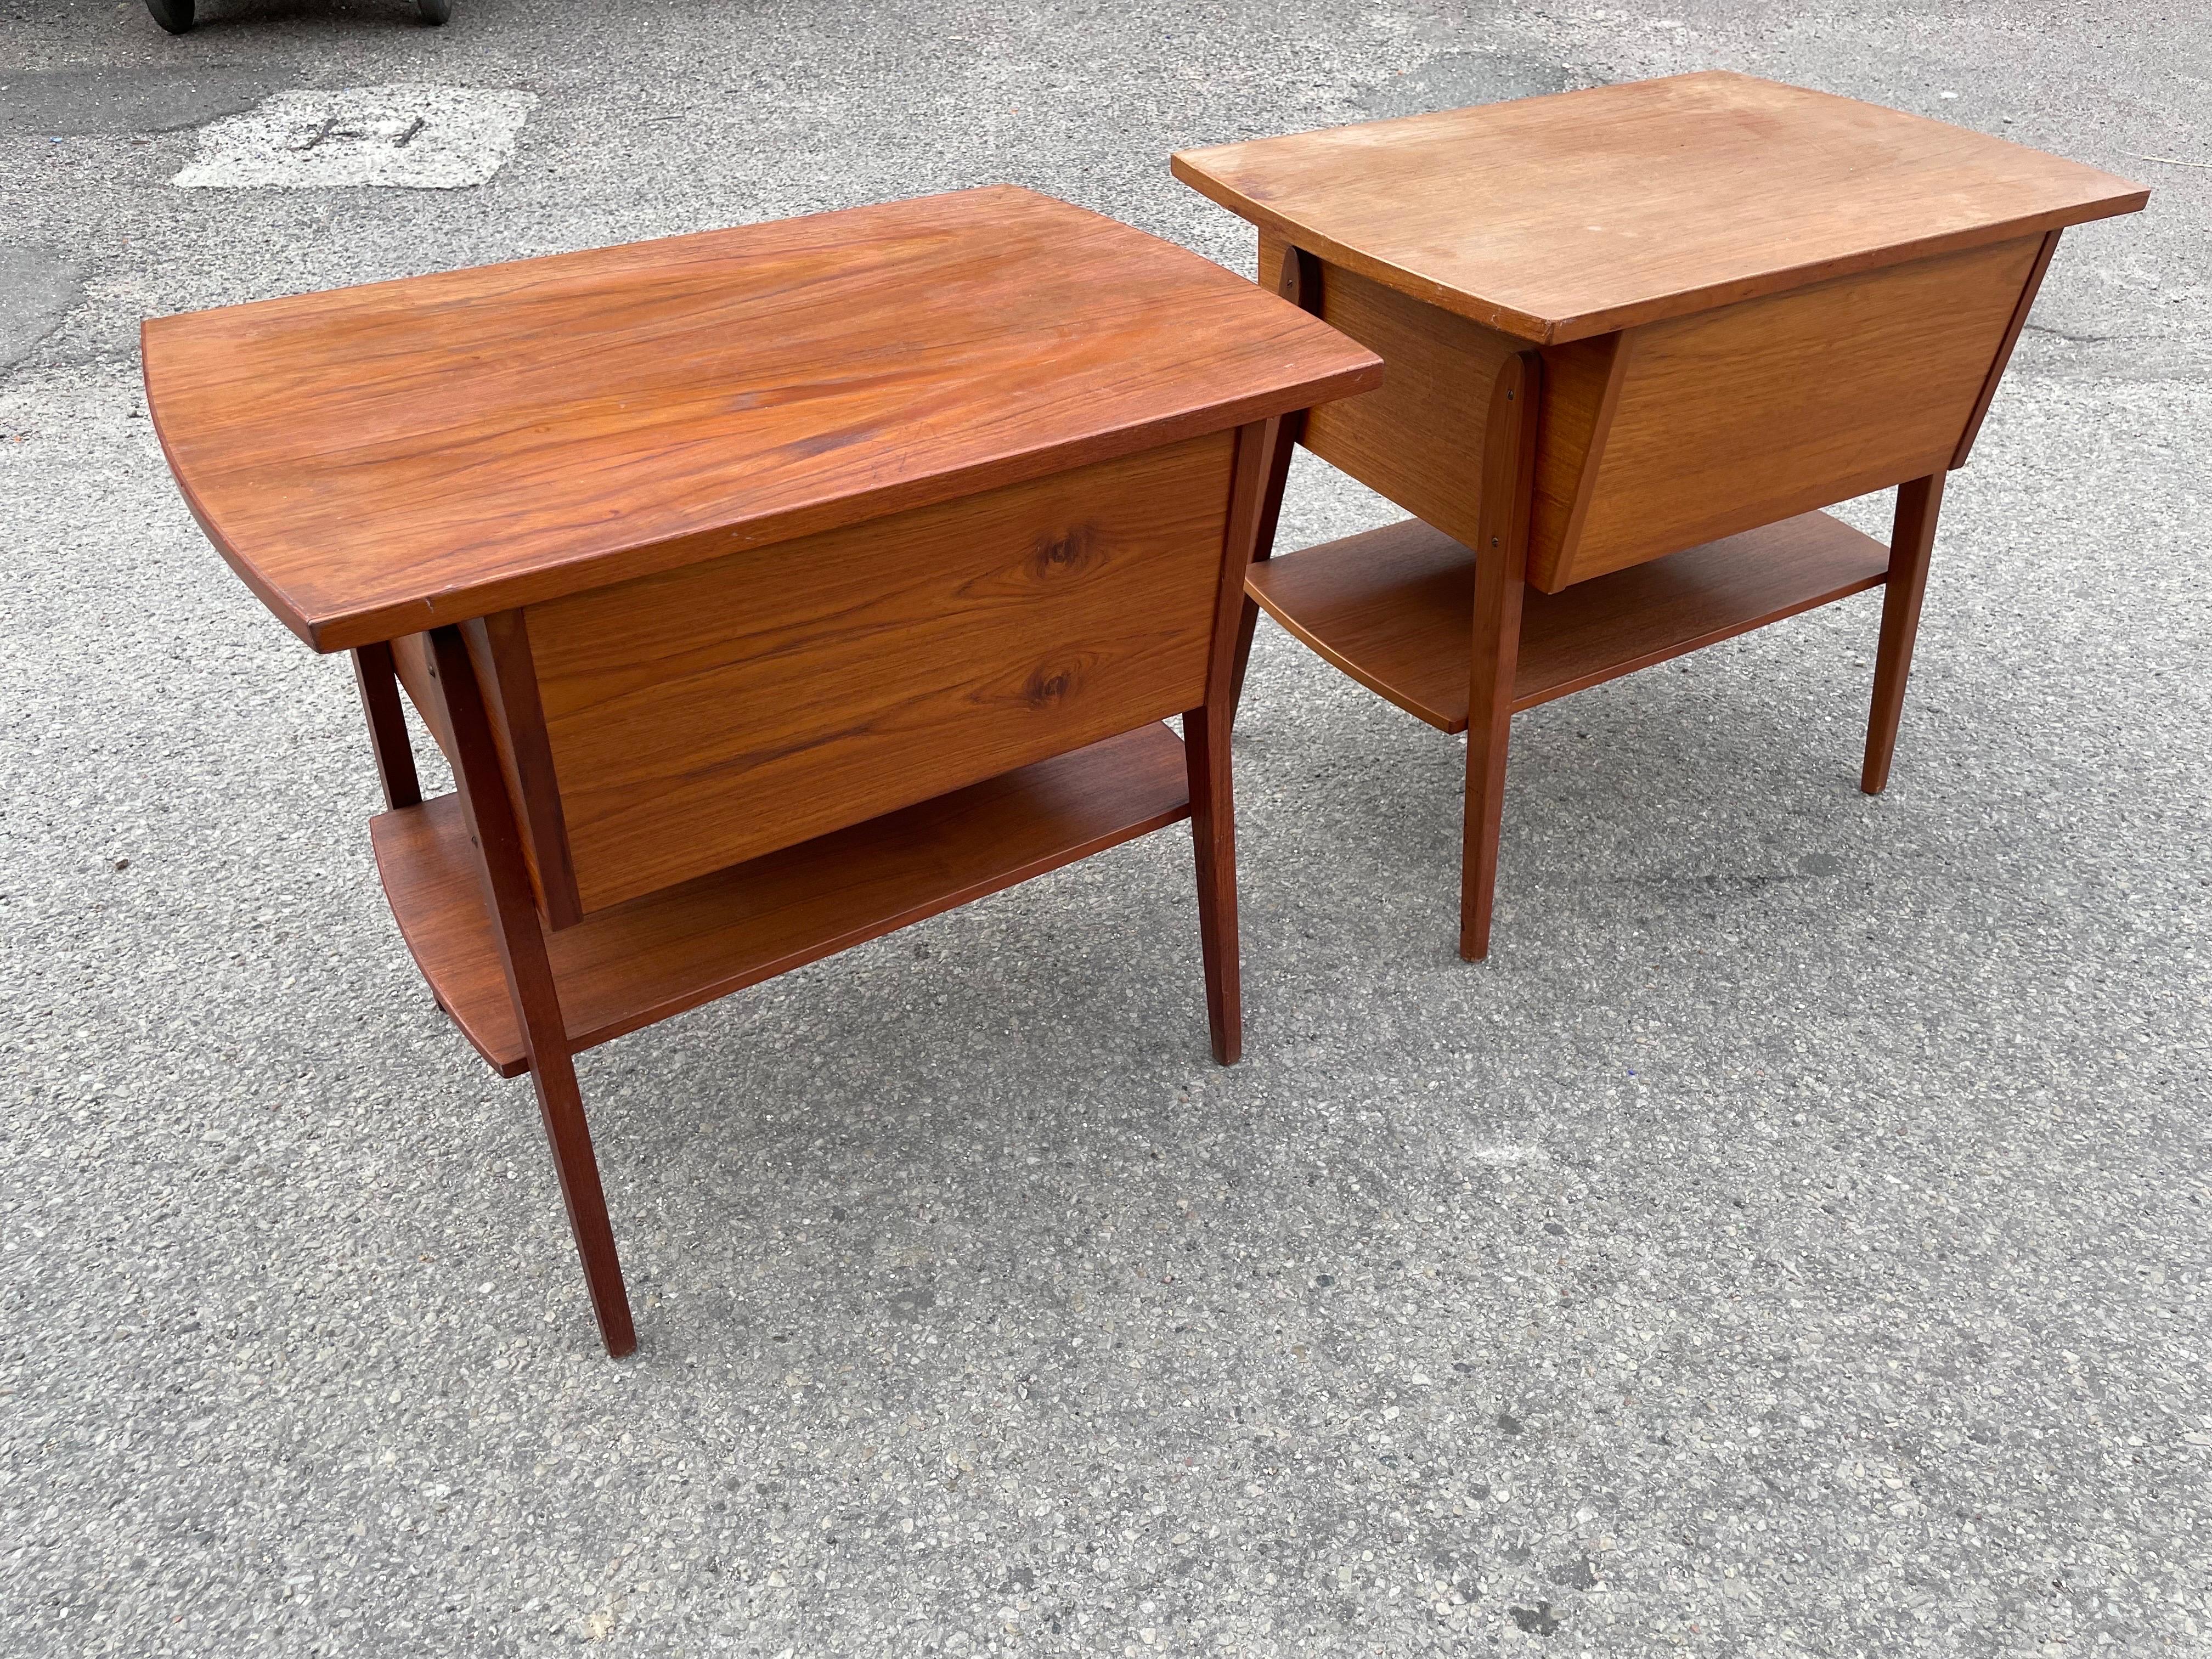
x=1394 y=608
x=626 y=967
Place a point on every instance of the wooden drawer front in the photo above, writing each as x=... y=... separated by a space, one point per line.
x=709 y=716
x=1756 y=412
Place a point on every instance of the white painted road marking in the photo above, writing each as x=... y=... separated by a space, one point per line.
x=405 y=137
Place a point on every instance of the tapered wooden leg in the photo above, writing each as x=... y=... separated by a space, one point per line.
x=378 y=680
x=1509 y=470
x=1253 y=488
x=1912 y=538
x=1497 y=593
x=521 y=938
x=560 y=1108
x=1214 y=836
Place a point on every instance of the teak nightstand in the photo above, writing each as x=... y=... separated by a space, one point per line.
x=768 y=589
x=1635 y=335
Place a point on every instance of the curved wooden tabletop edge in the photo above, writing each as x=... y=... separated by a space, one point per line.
x=2088 y=193
x=1329 y=367
x=1564 y=330
x=1504 y=318
x=342 y=629
x=270 y=597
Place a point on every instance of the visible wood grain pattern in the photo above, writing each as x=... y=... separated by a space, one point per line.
x=1913 y=539
x=1297 y=279
x=1415 y=439
x=418 y=677
x=703 y=717
x=505 y=675
x=625 y=968
x=378 y=683
x=2003 y=357
x=1509 y=484
x=1756 y=412
x=491 y=847
x=1389 y=607
x=499 y=646
x=379 y=460
x=1560 y=218
x=1582 y=383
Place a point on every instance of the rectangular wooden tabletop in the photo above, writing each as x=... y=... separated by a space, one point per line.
x=379 y=460
x=1558 y=218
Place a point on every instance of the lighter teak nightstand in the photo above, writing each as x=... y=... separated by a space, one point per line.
x=1634 y=337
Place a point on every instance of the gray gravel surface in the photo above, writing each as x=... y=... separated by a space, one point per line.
x=1793 y=1242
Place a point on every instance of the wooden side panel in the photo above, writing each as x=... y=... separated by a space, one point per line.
x=1582 y=389
x=709 y=716
x=2005 y=345
x=1418 y=439
x=410 y=656
x=1758 y=411
x=518 y=735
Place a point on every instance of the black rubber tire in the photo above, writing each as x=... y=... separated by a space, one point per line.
x=434 y=11
x=174 y=15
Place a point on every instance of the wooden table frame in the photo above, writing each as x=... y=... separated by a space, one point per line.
x=652 y=958
x=829 y=576
x=1395 y=608
x=1617 y=457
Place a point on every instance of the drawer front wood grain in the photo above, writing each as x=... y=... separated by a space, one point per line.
x=707 y=716
x=1756 y=412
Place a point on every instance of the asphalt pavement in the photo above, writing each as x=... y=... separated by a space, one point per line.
x=1792 y=1242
